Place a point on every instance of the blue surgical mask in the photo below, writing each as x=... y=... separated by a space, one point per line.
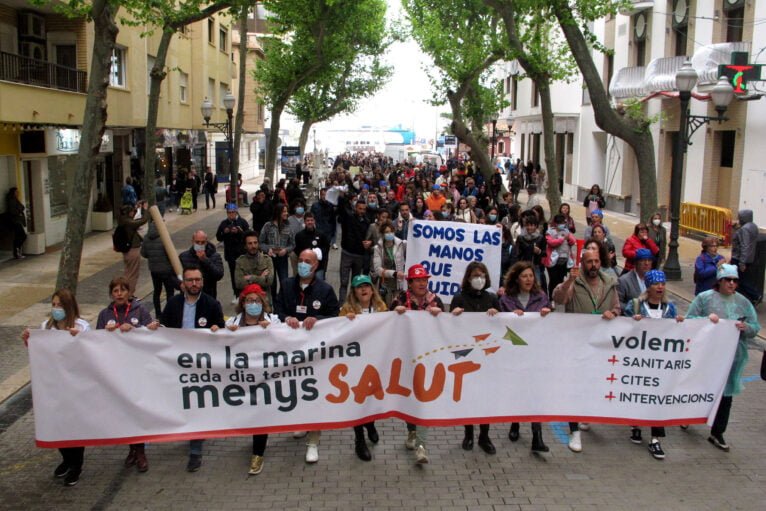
x=445 y=214
x=304 y=270
x=492 y=217
x=57 y=313
x=561 y=227
x=199 y=248
x=372 y=205
x=253 y=309
x=389 y=236
x=299 y=211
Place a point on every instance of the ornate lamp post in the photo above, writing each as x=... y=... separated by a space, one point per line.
x=722 y=94
x=226 y=128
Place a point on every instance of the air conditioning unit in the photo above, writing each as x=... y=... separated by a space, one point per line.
x=31 y=24
x=33 y=50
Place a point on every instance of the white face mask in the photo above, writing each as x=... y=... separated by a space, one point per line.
x=478 y=283
x=657 y=222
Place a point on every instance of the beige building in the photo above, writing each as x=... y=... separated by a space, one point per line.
x=44 y=62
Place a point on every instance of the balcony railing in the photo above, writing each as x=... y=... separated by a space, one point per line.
x=15 y=68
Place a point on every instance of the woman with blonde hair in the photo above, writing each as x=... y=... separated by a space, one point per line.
x=363 y=299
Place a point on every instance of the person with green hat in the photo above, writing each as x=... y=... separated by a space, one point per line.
x=363 y=299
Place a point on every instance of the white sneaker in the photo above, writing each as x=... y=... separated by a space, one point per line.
x=334 y=246
x=575 y=444
x=412 y=437
x=584 y=426
x=312 y=453
x=234 y=300
x=421 y=455
x=299 y=434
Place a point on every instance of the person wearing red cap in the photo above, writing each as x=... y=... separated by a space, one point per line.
x=253 y=309
x=417 y=297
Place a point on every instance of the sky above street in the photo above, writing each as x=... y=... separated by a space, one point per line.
x=404 y=99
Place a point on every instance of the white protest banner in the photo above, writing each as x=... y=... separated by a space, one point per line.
x=110 y=387
x=446 y=248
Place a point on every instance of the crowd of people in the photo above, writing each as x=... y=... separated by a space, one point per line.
x=278 y=261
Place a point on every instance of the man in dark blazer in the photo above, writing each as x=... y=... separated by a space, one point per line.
x=193 y=309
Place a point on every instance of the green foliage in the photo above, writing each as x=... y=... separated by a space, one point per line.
x=310 y=37
x=635 y=110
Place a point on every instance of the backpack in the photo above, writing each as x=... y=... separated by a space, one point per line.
x=120 y=240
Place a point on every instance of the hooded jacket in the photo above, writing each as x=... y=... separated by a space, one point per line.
x=743 y=245
x=153 y=250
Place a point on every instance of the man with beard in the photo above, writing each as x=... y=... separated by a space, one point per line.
x=587 y=291
x=193 y=309
x=203 y=255
x=311 y=238
x=254 y=267
x=231 y=232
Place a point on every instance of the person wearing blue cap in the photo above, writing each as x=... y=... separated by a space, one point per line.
x=596 y=218
x=724 y=302
x=631 y=284
x=638 y=240
x=652 y=303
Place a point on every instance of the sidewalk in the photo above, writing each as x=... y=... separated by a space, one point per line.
x=26 y=285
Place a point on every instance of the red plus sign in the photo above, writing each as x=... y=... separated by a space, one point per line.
x=613 y=360
x=610 y=396
x=612 y=378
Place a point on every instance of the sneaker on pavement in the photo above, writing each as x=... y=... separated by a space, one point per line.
x=72 y=477
x=312 y=453
x=195 y=462
x=655 y=449
x=575 y=443
x=299 y=434
x=421 y=455
x=412 y=437
x=334 y=246
x=256 y=465
x=719 y=442
x=584 y=426
x=635 y=435
x=61 y=470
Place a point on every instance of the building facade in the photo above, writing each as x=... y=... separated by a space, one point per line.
x=44 y=61
x=650 y=42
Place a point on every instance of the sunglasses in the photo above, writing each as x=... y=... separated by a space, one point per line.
x=729 y=279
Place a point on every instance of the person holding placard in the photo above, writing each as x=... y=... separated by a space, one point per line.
x=524 y=294
x=253 y=310
x=417 y=297
x=65 y=315
x=363 y=299
x=474 y=297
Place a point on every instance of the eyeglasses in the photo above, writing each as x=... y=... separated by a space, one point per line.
x=730 y=279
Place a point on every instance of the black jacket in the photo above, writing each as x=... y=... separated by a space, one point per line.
x=262 y=213
x=318 y=298
x=154 y=251
x=325 y=216
x=211 y=267
x=208 y=312
x=233 y=242
x=473 y=301
x=313 y=239
x=354 y=228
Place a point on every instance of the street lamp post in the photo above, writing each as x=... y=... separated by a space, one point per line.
x=721 y=95
x=226 y=128
x=494 y=140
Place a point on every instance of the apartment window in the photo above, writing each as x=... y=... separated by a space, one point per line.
x=223 y=37
x=640 y=25
x=535 y=95
x=680 y=24
x=514 y=92
x=183 y=87
x=223 y=89
x=735 y=19
x=211 y=90
x=117 y=71
x=728 y=139
x=211 y=31
x=261 y=112
x=508 y=84
x=149 y=66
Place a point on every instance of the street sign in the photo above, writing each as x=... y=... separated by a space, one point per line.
x=739 y=72
x=450 y=140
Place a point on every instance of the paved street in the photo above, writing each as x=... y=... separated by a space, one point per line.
x=611 y=473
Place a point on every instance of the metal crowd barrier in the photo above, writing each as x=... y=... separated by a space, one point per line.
x=708 y=220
